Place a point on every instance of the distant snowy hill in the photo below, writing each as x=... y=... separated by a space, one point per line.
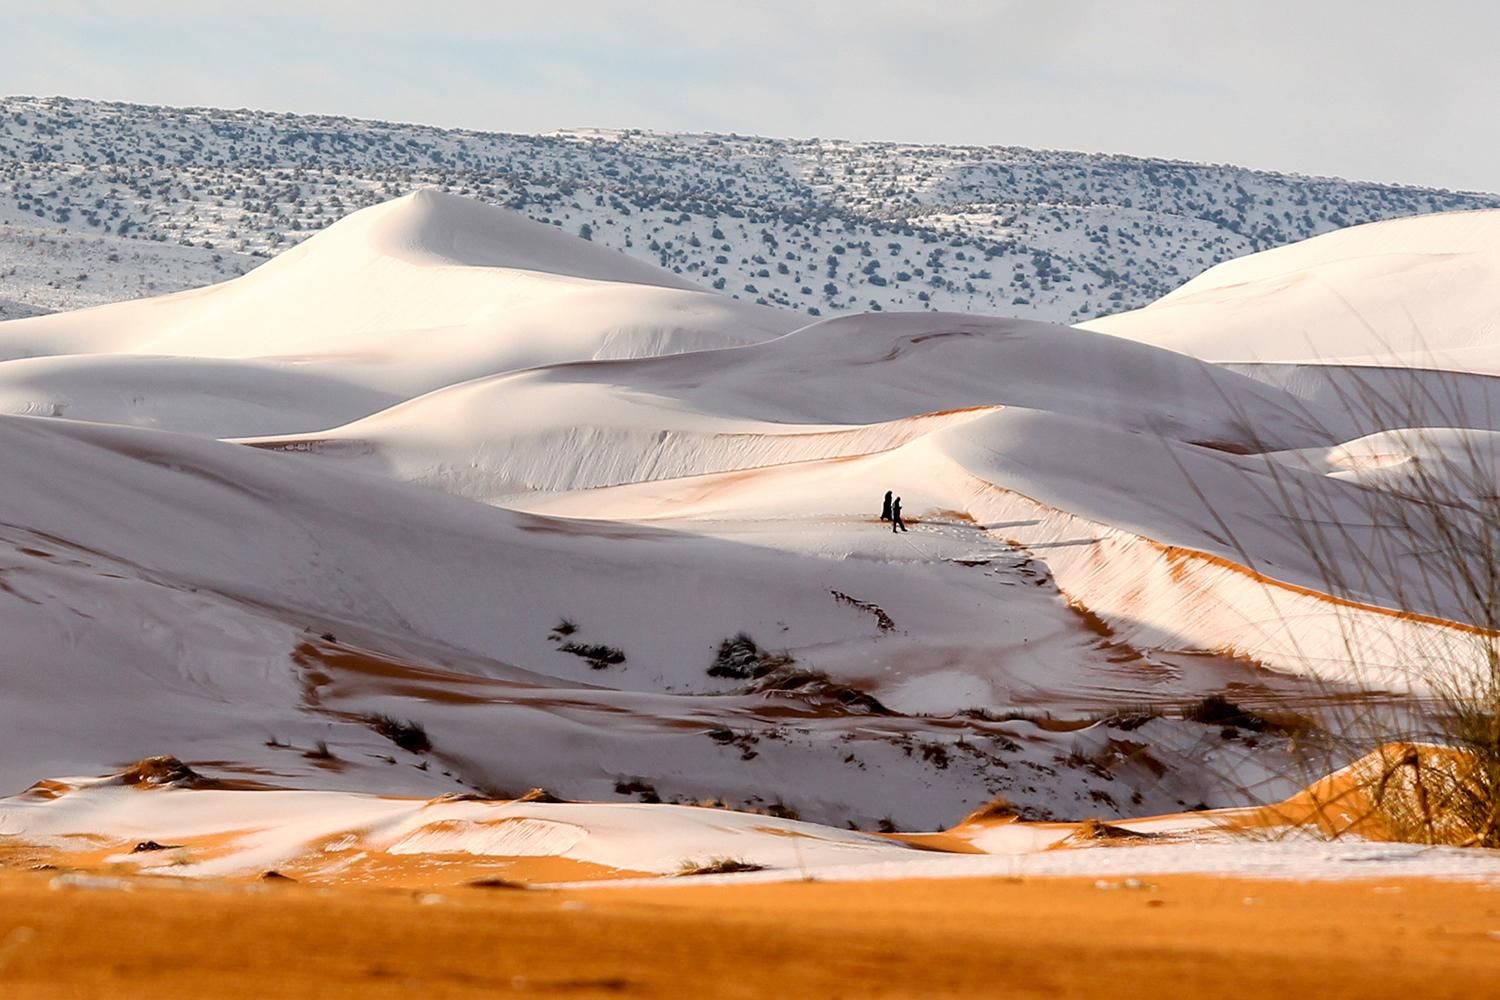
x=100 y=202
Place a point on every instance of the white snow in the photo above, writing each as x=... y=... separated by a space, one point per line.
x=1415 y=292
x=390 y=302
x=372 y=476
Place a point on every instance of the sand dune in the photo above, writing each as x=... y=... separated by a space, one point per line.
x=169 y=824
x=1414 y=292
x=399 y=299
x=239 y=524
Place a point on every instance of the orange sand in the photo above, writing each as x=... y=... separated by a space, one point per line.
x=1183 y=937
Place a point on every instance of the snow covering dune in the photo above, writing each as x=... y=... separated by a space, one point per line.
x=1133 y=542
x=840 y=388
x=397 y=299
x=674 y=583
x=1417 y=292
x=1127 y=446
x=329 y=835
x=204 y=396
x=129 y=825
x=172 y=593
x=1384 y=397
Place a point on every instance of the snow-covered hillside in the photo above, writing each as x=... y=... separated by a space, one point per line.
x=102 y=201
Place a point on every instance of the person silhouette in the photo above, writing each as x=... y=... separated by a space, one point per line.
x=885 y=511
x=896 y=523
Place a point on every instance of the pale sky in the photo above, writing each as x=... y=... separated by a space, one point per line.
x=1366 y=89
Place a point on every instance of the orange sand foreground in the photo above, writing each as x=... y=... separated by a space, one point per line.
x=1173 y=937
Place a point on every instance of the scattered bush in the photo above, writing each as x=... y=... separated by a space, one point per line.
x=739 y=658
x=736 y=659
x=636 y=786
x=815 y=684
x=1129 y=718
x=1217 y=710
x=408 y=735
x=598 y=656
x=719 y=866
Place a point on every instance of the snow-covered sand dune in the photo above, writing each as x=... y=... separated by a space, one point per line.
x=526 y=492
x=179 y=583
x=838 y=388
x=400 y=298
x=1417 y=292
x=154 y=819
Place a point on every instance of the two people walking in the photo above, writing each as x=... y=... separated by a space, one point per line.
x=892 y=512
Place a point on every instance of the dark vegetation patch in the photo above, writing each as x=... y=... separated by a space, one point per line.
x=408 y=735
x=739 y=658
x=719 y=866
x=818 y=686
x=1217 y=710
x=1129 y=717
x=495 y=882
x=745 y=742
x=597 y=654
x=881 y=618
x=147 y=846
x=777 y=810
x=635 y=786
x=935 y=754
